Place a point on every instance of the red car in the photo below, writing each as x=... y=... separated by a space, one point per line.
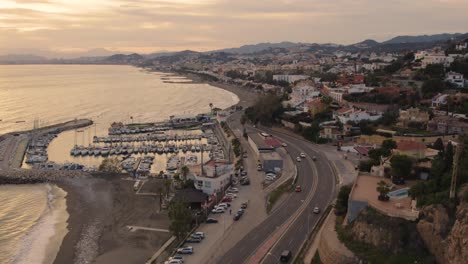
x=298 y=189
x=226 y=200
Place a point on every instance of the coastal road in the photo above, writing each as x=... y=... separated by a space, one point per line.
x=293 y=215
x=322 y=193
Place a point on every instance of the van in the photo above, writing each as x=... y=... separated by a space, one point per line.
x=285 y=256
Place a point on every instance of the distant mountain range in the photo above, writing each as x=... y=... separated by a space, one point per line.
x=104 y=56
x=369 y=43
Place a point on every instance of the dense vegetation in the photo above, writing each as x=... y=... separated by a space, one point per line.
x=436 y=189
x=266 y=110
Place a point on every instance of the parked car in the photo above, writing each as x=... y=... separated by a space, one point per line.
x=298 y=159
x=268 y=178
x=226 y=200
x=270 y=174
x=233 y=190
x=211 y=221
x=185 y=250
x=174 y=261
x=303 y=155
x=179 y=258
x=316 y=210
x=218 y=210
x=298 y=189
x=193 y=240
x=237 y=217
x=244 y=156
x=314 y=158
x=194 y=235
x=285 y=256
x=240 y=211
x=223 y=205
x=243 y=173
x=284 y=144
x=245 y=181
x=244 y=205
x=231 y=195
x=199 y=234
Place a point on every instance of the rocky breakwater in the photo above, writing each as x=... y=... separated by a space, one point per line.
x=24 y=176
x=445 y=231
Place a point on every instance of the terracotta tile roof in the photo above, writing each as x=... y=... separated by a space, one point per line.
x=343 y=110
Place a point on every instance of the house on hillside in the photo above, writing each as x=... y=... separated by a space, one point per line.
x=345 y=115
x=410 y=148
x=455 y=78
x=448 y=125
x=439 y=100
x=315 y=107
x=412 y=115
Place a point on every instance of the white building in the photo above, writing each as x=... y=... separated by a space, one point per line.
x=289 y=78
x=428 y=58
x=439 y=100
x=346 y=115
x=215 y=178
x=455 y=78
x=302 y=93
x=462 y=46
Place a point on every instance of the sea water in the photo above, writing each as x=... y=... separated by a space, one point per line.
x=33 y=223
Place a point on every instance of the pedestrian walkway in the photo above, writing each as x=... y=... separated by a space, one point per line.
x=329 y=246
x=222 y=236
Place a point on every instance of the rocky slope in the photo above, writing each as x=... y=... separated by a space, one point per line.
x=393 y=235
x=446 y=235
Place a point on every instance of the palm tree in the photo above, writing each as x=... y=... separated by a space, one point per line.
x=383 y=188
x=211 y=107
x=185 y=170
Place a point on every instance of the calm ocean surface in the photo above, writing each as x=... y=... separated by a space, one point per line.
x=33 y=217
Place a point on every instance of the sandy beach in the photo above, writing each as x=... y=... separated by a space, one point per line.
x=100 y=210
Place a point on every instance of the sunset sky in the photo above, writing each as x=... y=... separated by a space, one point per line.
x=147 y=26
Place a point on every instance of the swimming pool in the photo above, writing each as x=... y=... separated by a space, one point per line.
x=401 y=193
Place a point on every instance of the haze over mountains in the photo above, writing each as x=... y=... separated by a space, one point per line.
x=107 y=56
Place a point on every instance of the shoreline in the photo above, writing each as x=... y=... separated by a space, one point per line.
x=100 y=209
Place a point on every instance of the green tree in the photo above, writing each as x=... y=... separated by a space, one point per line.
x=383 y=188
x=434 y=70
x=184 y=170
x=432 y=87
x=438 y=144
x=181 y=218
x=327 y=100
x=401 y=166
x=110 y=165
x=389 y=144
x=167 y=186
x=448 y=156
x=389 y=118
x=341 y=205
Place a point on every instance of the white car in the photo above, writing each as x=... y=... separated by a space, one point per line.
x=174 y=261
x=316 y=210
x=267 y=178
x=284 y=144
x=298 y=159
x=178 y=258
x=218 y=210
x=231 y=195
x=199 y=234
x=185 y=250
x=233 y=190
x=303 y=155
x=271 y=175
x=222 y=205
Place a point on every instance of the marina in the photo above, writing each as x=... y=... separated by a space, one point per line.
x=144 y=149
